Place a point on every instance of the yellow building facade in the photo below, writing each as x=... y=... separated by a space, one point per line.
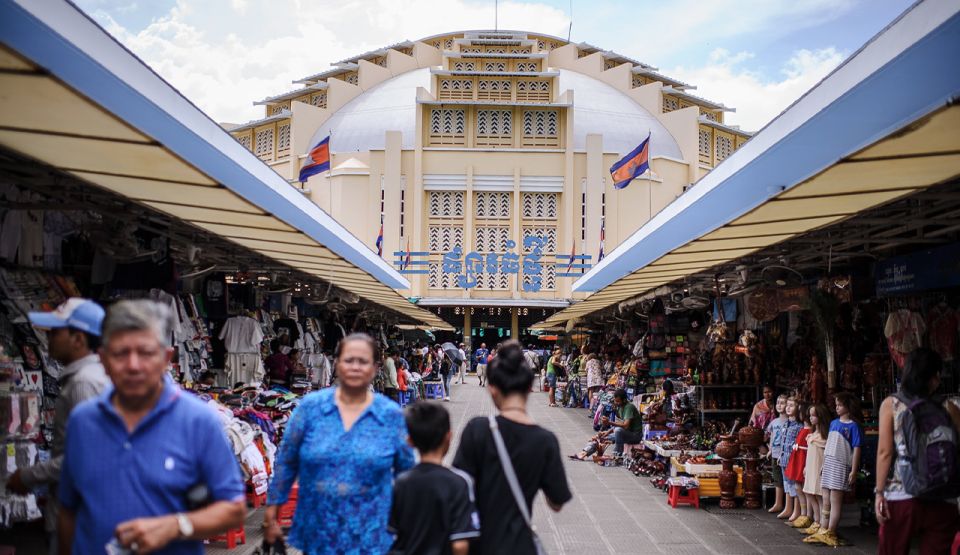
x=485 y=158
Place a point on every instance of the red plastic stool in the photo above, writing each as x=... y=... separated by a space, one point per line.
x=675 y=497
x=256 y=500
x=233 y=537
x=287 y=510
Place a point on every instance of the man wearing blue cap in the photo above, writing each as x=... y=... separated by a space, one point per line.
x=73 y=334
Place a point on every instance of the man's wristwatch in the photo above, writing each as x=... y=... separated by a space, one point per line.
x=185 y=525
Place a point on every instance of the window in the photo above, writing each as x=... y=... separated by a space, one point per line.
x=403 y=211
x=440 y=280
x=277 y=108
x=705 y=142
x=447 y=126
x=547 y=233
x=462 y=65
x=492 y=238
x=494 y=128
x=493 y=205
x=456 y=89
x=603 y=203
x=724 y=147
x=539 y=206
x=640 y=80
x=244 y=140
x=498 y=67
x=443 y=238
x=583 y=210
x=264 y=143
x=541 y=128
x=494 y=90
x=445 y=204
x=534 y=92
x=319 y=99
x=670 y=104
x=283 y=139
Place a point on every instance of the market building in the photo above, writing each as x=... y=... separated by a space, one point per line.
x=461 y=148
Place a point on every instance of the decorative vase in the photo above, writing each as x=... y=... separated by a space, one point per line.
x=728 y=449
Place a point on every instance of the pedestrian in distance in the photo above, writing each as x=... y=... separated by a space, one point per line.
x=138 y=452
x=73 y=337
x=510 y=459
x=433 y=510
x=391 y=386
x=480 y=355
x=344 y=445
x=463 y=365
x=914 y=500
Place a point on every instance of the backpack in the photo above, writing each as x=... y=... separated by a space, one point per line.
x=928 y=466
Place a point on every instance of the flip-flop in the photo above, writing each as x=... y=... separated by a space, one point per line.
x=575 y=458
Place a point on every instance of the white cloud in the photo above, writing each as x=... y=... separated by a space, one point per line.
x=225 y=54
x=757 y=100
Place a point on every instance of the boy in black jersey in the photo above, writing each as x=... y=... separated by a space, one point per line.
x=433 y=509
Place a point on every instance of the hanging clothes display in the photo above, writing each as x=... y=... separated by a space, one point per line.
x=242 y=336
x=904 y=332
x=943 y=326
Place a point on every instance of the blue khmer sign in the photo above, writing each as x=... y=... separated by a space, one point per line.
x=469 y=266
x=937 y=268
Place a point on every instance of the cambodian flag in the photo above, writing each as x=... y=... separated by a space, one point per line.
x=406 y=259
x=380 y=240
x=318 y=160
x=632 y=165
x=573 y=257
x=603 y=236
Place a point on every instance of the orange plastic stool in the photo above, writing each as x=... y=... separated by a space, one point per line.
x=675 y=497
x=234 y=537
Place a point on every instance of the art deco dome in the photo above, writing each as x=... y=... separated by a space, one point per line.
x=598 y=108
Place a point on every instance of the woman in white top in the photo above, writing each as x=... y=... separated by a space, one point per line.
x=903 y=517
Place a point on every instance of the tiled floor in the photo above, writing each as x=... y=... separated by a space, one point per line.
x=615 y=512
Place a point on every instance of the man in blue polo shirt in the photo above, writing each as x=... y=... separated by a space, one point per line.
x=134 y=453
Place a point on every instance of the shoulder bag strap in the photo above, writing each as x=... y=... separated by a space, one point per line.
x=511 y=475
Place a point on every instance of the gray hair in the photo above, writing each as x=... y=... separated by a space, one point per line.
x=139 y=315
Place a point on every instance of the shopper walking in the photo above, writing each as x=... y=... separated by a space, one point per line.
x=391 y=386
x=511 y=459
x=481 y=357
x=344 y=445
x=463 y=365
x=904 y=516
x=73 y=336
x=433 y=509
x=133 y=453
x=551 y=377
x=446 y=372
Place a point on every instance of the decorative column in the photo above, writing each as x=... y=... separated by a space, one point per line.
x=467 y=339
x=751 y=438
x=515 y=323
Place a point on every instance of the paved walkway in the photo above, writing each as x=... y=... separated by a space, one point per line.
x=616 y=512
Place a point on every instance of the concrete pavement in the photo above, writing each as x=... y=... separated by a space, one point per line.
x=616 y=512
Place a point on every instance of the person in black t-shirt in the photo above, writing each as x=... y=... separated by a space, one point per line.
x=534 y=453
x=433 y=510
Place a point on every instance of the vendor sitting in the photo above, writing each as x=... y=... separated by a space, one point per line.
x=627 y=428
x=279 y=367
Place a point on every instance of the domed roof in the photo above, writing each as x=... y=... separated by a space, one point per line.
x=598 y=108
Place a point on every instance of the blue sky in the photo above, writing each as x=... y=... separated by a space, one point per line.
x=755 y=55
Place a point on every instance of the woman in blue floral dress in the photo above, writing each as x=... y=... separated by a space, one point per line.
x=344 y=445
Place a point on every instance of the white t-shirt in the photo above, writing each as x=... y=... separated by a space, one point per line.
x=242 y=334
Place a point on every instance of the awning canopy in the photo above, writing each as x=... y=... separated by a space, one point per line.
x=75 y=99
x=879 y=128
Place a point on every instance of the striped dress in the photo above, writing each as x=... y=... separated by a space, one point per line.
x=838 y=454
